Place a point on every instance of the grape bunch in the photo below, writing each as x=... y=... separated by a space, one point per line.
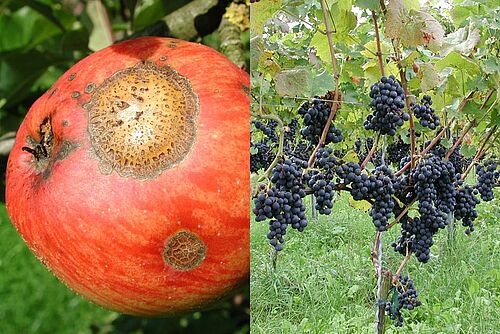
x=405 y=296
x=387 y=103
x=314 y=115
x=295 y=146
x=456 y=158
x=417 y=237
x=427 y=116
x=434 y=186
x=487 y=177
x=321 y=180
x=377 y=188
x=263 y=158
x=282 y=204
x=268 y=129
x=396 y=151
x=465 y=207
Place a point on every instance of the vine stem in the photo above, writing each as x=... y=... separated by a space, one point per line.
x=336 y=95
x=479 y=152
x=429 y=147
x=398 y=218
x=402 y=76
x=371 y=152
x=401 y=266
x=377 y=38
x=374 y=253
x=378 y=238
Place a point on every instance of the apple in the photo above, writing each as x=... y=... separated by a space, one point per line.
x=129 y=177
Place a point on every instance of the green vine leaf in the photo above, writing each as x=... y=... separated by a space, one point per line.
x=321 y=83
x=457 y=61
x=367 y=4
x=320 y=43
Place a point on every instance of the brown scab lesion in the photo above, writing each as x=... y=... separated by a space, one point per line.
x=172 y=44
x=184 y=251
x=142 y=120
x=245 y=90
x=72 y=76
x=163 y=58
x=89 y=88
x=75 y=95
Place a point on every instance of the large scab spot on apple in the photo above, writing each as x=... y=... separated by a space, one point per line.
x=142 y=120
x=184 y=251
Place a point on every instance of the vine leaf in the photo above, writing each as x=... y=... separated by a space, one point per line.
x=260 y=13
x=429 y=77
x=396 y=15
x=412 y=27
x=457 y=61
x=372 y=46
x=432 y=32
x=372 y=71
x=296 y=82
x=368 y=4
x=320 y=43
x=267 y=64
x=463 y=40
x=360 y=205
x=321 y=83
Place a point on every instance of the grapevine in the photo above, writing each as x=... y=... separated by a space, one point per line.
x=396 y=144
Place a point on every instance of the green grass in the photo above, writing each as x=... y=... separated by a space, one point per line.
x=324 y=281
x=32 y=300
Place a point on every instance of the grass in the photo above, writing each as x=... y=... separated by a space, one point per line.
x=324 y=281
x=32 y=300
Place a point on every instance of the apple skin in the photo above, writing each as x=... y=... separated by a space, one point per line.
x=104 y=235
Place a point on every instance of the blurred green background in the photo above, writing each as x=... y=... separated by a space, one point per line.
x=39 y=41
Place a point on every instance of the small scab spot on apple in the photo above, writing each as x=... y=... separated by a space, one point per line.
x=184 y=251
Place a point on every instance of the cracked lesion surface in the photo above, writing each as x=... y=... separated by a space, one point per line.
x=142 y=120
x=184 y=251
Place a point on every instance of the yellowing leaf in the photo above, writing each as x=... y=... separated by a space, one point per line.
x=413 y=27
x=350 y=156
x=294 y=82
x=360 y=205
x=429 y=77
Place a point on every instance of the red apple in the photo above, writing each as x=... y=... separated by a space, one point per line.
x=129 y=177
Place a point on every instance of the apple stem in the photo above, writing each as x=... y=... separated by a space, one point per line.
x=42 y=149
